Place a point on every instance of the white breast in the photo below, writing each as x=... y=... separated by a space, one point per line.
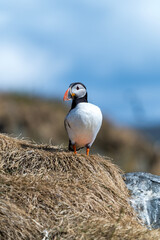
x=83 y=123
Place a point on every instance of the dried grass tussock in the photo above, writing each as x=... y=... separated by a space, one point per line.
x=47 y=193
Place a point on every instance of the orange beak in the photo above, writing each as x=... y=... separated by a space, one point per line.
x=66 y=98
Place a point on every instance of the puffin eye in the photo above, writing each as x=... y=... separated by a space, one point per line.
x=77 y=88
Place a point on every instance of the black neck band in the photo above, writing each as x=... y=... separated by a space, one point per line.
x=79 y=100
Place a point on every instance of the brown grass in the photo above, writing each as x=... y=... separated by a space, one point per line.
x=42 y=119
x=48 y=191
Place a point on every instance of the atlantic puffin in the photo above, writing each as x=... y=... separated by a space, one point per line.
x=84 y=119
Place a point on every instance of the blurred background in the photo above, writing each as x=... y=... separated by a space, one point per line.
x=113 y=47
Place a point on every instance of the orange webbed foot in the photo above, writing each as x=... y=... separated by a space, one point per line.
x=74 y=148
x=87 y=151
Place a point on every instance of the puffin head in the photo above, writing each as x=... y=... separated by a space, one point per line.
x=75 y=91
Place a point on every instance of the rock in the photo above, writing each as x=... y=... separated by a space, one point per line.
x=145 y=196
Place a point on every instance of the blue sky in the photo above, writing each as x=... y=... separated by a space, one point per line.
x=111 y=46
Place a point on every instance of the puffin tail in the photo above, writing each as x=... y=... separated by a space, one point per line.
x=70 y=147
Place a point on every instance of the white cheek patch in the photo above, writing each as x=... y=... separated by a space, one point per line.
x=81 y=93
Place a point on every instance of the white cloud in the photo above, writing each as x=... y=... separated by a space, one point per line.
x=105 y=35
x=26 y=67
